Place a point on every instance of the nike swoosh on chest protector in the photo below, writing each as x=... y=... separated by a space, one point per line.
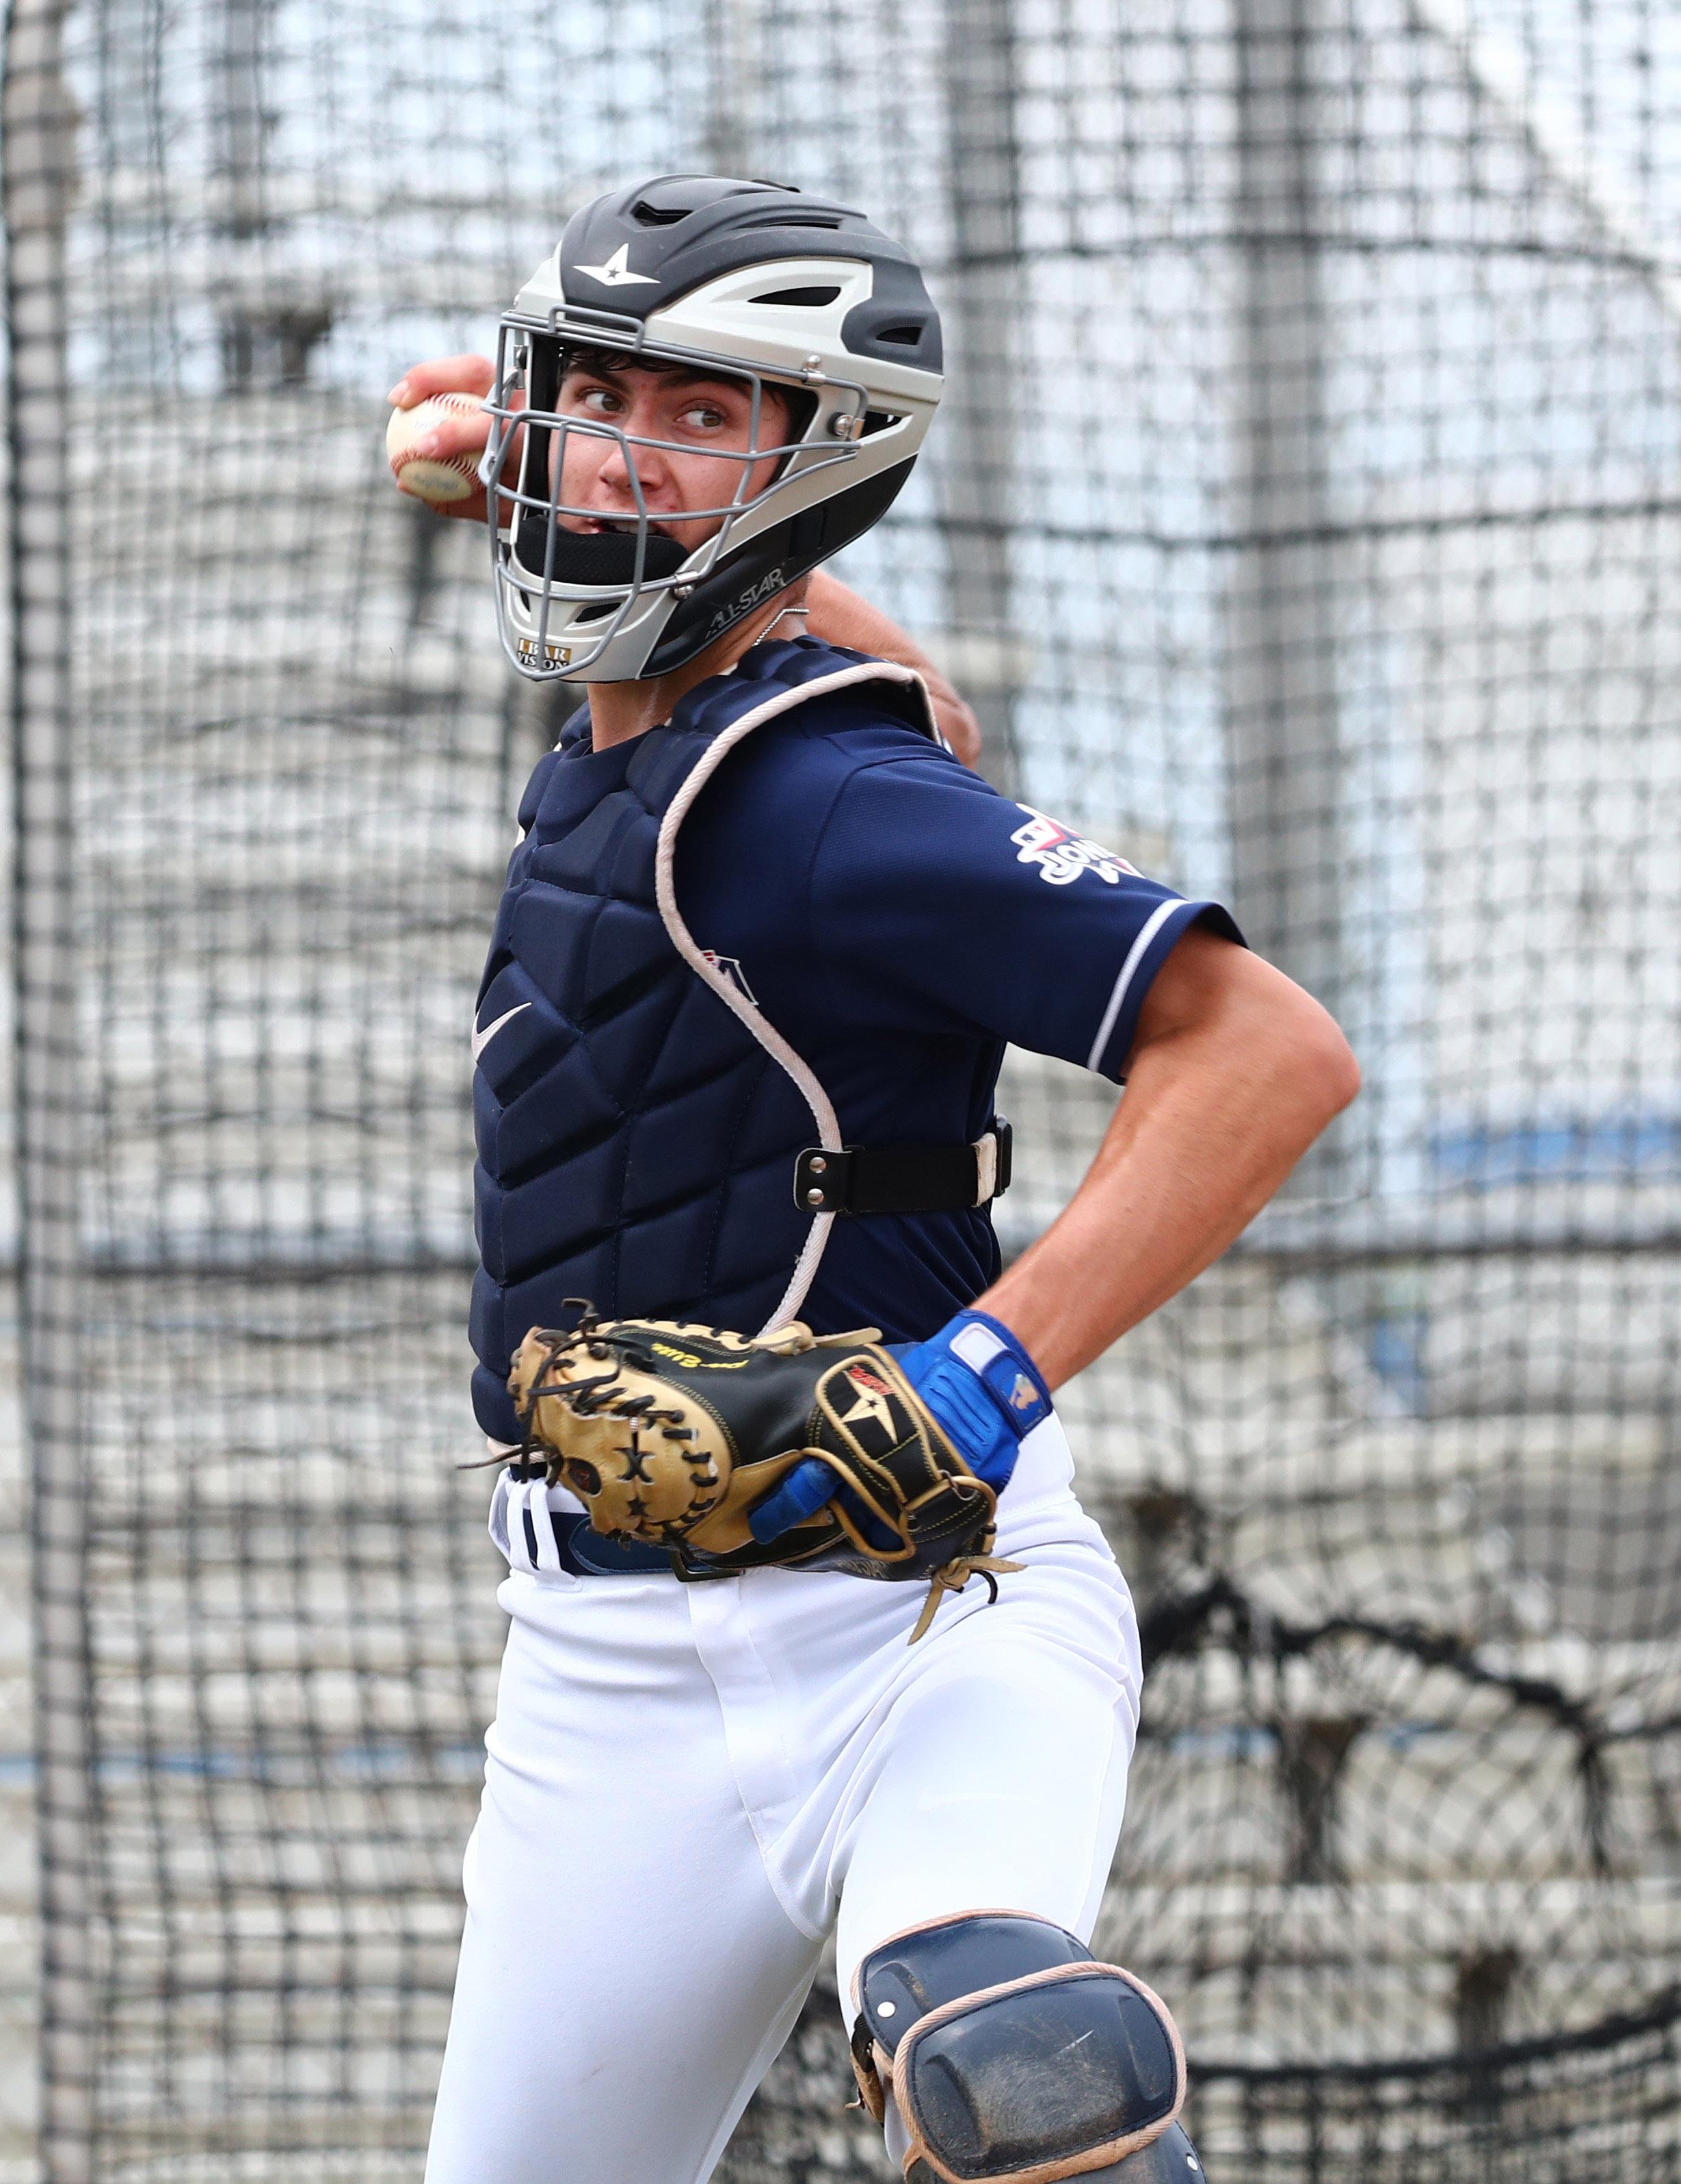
x=481 y=1039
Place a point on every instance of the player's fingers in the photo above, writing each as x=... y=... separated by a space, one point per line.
x=454 y=431
x=444 y=375
x=451 y=428
x=466 y=431
x=806 y=1488
x=473 y=507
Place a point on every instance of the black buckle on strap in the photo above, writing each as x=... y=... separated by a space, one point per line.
x=689 y=1572
x=906 y=1178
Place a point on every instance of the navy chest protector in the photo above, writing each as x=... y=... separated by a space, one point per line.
x=640 y=1123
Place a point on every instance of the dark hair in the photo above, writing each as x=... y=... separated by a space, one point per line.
x=609 y=363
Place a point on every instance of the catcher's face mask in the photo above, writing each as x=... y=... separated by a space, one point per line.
x=628 y=532
x=685 y=449
x=638 y=469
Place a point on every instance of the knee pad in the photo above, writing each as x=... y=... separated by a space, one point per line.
x=1014 y=2058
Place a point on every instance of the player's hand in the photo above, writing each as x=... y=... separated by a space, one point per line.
x=981 y=1385
x=460 y=432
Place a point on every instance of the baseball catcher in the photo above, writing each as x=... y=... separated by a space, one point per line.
x=809 y=1634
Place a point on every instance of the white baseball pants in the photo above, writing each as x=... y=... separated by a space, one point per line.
x=688 y=1787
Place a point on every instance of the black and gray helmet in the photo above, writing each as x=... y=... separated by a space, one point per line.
x=746 y=280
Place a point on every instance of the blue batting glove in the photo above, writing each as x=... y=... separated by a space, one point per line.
x=807 y=1487
x=981 y=1384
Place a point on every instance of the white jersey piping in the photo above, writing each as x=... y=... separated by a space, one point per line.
x=1135 y=955
x=665 y=894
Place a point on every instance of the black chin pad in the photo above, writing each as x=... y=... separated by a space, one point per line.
x=593 y=557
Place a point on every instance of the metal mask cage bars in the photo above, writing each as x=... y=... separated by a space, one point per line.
x=539 y=651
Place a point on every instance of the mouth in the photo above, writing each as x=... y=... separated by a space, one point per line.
x=623 y=526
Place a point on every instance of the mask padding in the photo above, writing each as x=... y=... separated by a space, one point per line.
x=595 y=557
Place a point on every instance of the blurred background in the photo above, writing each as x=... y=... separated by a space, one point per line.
x=1302 y=522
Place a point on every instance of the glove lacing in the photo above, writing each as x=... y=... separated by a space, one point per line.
x=954 y=1575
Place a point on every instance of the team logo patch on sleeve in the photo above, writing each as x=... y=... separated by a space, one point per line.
x=1061 y=855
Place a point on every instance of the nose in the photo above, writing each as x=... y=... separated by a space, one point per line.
x=622 y=463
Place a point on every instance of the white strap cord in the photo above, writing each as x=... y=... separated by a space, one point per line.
x=665 y=890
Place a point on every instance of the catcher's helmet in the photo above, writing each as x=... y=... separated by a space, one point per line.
x=749 y=281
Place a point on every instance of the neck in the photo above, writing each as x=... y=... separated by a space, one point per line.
x=621 y=711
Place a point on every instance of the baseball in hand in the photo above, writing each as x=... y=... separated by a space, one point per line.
x=440 y=481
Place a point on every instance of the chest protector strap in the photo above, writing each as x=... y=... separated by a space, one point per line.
x=906 y=1178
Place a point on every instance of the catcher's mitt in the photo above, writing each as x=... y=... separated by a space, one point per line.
x=670 y=1434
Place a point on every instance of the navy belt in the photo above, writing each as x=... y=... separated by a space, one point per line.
x=585 y=1552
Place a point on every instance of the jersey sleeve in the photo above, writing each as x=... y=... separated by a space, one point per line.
x=938 y=903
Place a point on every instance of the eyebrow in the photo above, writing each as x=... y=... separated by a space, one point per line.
x=678 y=377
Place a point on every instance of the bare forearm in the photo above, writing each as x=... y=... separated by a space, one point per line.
x=1215 y=1116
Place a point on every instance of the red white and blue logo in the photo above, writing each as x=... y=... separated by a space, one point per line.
x=1061 y=855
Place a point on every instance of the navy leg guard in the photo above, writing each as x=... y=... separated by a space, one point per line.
x=1170 y=2160
x=1014 y=2058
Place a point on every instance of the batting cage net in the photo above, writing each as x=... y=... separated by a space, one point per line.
x=1302 y=522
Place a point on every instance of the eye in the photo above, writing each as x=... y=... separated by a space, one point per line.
x=600 y=402
x=703 y=417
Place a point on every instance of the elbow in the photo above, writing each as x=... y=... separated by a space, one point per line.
x=1323 y=1067
x=1285 y=1054
x=1339 y=1077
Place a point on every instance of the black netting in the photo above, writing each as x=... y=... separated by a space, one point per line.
x=1301 y=522
x=1588 y=2108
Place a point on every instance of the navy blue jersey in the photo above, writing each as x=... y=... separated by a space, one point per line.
x=900 y=922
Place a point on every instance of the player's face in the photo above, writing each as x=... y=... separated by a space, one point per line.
x=703 y=421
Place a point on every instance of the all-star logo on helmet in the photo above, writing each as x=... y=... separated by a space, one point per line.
x=772 y=582
x=616 y=272
x=786 y=293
